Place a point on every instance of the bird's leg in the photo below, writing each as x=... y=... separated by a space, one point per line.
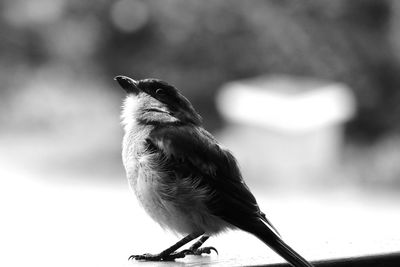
x=196 y=248
x=169 y=254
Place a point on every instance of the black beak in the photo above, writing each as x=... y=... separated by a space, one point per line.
x=128 y=84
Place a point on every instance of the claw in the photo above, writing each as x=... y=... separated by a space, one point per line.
x=146 y=257
x=135 y=257
x=207 y=250
x=212 y=248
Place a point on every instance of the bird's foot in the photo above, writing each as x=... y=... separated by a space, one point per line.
x=173 y=256
x=158 y=257
x=199 y=251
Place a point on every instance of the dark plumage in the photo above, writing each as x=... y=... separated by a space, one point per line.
x=182 y=176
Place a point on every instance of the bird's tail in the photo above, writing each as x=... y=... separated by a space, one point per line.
x=266 y=233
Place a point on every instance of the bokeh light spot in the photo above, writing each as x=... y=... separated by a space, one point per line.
x=129 y=15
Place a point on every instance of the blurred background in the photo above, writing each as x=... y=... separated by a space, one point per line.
x=305 y=93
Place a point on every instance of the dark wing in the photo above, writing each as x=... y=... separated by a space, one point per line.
x=198 y=151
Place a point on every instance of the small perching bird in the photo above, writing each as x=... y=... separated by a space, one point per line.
x=182 y=176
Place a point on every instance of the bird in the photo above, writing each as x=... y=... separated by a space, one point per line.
x=183 y=177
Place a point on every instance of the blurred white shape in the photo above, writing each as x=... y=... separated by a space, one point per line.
x=24 y=13
x=295 y=124
x=286 y=104
x=66 y=123
x=129 y=15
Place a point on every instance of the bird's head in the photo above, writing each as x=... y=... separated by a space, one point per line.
x=152 y=101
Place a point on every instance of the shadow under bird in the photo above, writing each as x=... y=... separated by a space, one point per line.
x=184 y=179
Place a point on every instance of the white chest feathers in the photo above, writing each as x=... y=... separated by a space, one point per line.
x=181 y=212
x=139 y=162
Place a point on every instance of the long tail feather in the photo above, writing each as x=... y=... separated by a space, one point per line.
x=269 y=236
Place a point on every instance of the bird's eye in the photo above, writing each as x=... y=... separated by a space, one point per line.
x=160 y=91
